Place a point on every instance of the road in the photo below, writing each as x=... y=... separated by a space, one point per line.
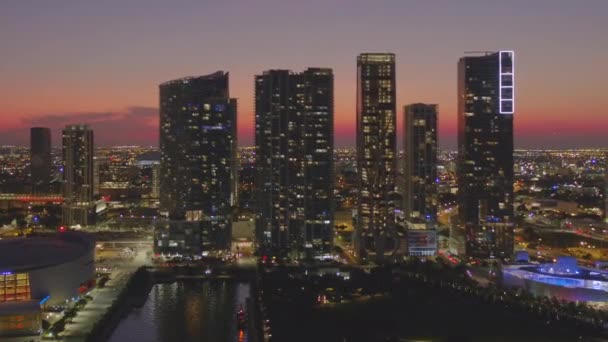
x=86 y=318
x=351 y=260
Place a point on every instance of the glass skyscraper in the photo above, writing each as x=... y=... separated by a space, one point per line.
x=485 y=153
x=375 y=235
x=40 y=159
x=420 y=169
x=294 y=162
x=78 y=150
x=198 y=165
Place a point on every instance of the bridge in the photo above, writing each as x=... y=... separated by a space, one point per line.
x=29 y=198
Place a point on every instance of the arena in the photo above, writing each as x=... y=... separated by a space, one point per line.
x=41 y=271
x=563 y=279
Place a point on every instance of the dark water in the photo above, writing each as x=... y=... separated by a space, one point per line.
x=186 y=311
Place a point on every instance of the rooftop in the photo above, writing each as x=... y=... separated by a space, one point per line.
x=22 y=254
x=381 y=57
x=212 y=76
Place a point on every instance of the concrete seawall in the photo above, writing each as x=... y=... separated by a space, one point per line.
x=135 y=293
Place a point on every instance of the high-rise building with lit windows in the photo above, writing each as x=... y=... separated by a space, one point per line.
x=294 y=162
x=78 y=152
x=375 y=236
x=485 y=152
x=197 y=174
x=40 y=159
x=420 y=167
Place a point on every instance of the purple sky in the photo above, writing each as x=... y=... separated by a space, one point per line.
x=101 y=61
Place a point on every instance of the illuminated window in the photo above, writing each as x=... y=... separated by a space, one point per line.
x=20 y=323
x=14 y=287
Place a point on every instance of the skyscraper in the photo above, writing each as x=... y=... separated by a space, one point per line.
x=101 y=166
x=197 y=173
x=375 y=235
x=78 y=153
x=40 y=158
x=485 y=152
x=294 y=162
x=155 y=190
x=420 y=170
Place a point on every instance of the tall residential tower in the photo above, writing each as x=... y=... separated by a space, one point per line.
x=197 y=173
x=40 y=159
x=294 y=162
x=420 y=178
x=485 y=152
x=78 y=149
x=375 y=235
x=420 y=169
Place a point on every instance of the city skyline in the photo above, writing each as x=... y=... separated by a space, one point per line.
x=81 y=78
x=322 y=170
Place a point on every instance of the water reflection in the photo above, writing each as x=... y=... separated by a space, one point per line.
x=186 y=311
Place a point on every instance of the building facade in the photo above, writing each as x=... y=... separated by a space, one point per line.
x=197 y=174
x=485 y=153
x=101 y=167
x=40 y=159
x=78 y=150
x=375 y=235
x=155 y=190
x=420 y=195
x=294 y=162
x=420 y=167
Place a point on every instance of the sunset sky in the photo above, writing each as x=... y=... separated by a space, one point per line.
x=100 y=62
